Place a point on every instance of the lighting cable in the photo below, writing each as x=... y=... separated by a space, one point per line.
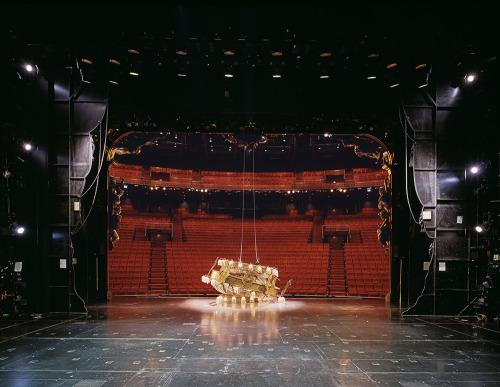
x=433 y=245
x=243 y=204
x=74 y=276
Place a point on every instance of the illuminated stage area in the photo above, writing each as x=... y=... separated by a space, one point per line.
x=137 y=341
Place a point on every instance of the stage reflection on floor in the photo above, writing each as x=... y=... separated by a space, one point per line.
x=194 y=342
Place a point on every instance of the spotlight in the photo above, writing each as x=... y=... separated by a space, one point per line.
x=28 y=72
x=469 y=78
x=474 y=169
x=19 y=230
x=480 y=228
x=27 y=146
x=125 y=186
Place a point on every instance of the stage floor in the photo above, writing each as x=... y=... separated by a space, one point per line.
x=132 y=341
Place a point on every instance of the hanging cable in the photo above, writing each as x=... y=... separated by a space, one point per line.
x=97 y=180
x=406 y=179
x=101 y=154
x=406 y=120
x=243 y=204
x=433 y=257
x=253 y=194
x=72 y=249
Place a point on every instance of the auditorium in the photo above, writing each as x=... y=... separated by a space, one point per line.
x=201 y=195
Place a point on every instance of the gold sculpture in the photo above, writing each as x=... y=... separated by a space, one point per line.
x=240 y=282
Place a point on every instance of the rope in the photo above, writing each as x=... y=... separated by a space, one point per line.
x=243 y=205
x=253 y=194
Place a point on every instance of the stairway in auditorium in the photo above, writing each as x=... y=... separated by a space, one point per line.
x=337 y=268
x=179 y=234
x=318 y=229
x=158 y=267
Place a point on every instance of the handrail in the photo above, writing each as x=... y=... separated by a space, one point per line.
x=336 y=228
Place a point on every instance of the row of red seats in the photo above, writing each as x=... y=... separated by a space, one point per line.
x=234 y=180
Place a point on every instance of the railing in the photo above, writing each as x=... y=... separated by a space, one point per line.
x=261 y=182
x=159 y=228
x=332 y=229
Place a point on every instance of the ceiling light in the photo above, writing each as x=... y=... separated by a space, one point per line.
x=133 y=51
x=470 y=78
x=422 y=75
x=134 y=73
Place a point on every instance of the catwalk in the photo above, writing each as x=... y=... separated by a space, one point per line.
x=133 y=341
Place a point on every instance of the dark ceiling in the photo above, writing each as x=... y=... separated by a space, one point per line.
x=122 y=40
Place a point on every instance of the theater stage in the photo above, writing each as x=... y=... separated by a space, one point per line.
x=132 y=341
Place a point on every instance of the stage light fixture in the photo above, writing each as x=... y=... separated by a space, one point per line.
x=469 y=78
x=422 y=72
x=474 y=169
x=27 y=146
x=324 y=71
x=19 y=230
x=28 y=72
x=392 y=75
x=371 y=74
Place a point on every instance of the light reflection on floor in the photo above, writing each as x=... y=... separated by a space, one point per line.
x=173 y=341
x=259 y=321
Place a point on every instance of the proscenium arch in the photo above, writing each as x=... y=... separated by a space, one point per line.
x=377 y=152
